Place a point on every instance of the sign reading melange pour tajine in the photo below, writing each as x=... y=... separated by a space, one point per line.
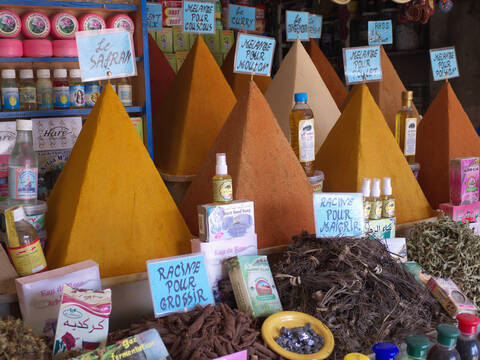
x=199 y=17
x=362 y=64
x=254 y=55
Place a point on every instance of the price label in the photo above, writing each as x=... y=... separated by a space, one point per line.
x=105 y=54
x=380 y=32
x=199 y=17
x=315 y=26
x=362 y=64
x=254 y=55
x=297 y=25
x=444 y=63
x=154 y=16
x=241 y=17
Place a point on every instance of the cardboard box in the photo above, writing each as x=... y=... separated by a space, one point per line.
x=469 y=213
x=418 y=273
x=397 y=248
x=180 y=57
x=213 y=42
x=8 y=274
x=380 y=229
x=172 y=60
x=172 y=13
x=39 y=295
x=464 y=180
x=181 y=40
x=227 y=221
x=226 y=40
x=164 y=39
x=138 y=123
x=449 y=295
x=215 y=253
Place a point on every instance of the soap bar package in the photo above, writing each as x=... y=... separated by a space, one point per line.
x=39 y=295
x=226 y=221
x=215 y=253
x=147 y=345
x=449 y=295
x=82 y=319
x=8 y=134
x=469 y=213
x=464 y=180
x=253 y=285
x=53 y=140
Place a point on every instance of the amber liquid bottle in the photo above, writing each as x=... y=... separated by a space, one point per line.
x=302 y=133
x=406 y=127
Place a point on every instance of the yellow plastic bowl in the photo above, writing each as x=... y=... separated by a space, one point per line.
x=290 y=319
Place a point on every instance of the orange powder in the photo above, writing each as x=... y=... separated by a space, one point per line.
x=192 y=114
x=445 y=133
x=109 y=203
x=361 y=145
x=264 y=169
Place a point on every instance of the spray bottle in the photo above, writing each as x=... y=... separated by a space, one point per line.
x=376 y=210
x=222 y=182
x=388 y=201
x=367 y=203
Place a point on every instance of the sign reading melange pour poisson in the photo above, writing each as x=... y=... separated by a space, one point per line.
x=444 y=63
x=199 y=17
x=362 y=64
x=254 y=55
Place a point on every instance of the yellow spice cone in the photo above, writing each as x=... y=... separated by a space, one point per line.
x=361 y=145
x=109 y=203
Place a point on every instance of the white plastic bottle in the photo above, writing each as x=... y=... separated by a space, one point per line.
x=376 y=209
x=23 y=165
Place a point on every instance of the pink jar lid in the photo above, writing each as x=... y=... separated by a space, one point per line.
x=91 y=22
x=35 y=25
x=121 y=21
x=37 y=48
x=11 y=48
x=64 y=25
x=65 y=48
x=11 y=24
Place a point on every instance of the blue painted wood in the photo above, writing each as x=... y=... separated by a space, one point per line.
x=146 y=67
x=51 y=113
x=44 y=59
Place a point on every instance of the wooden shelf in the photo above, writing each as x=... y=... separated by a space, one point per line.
x=58 y=112
x=69 y=4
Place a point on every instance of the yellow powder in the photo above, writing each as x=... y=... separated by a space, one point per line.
x=109 y=203
x=192 y=113
x=361 y=145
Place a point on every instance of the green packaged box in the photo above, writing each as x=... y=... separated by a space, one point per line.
x=164 y=40
x=181 y=56
x=138 y=123
x=181 y=40
x=172 y=60
x=227 y=40
x=253 y=285
x=218 y=58
x=213 y=42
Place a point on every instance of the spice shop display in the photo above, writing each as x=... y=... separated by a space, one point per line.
x=301 y=340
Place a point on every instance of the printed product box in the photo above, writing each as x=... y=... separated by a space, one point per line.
x=218 y=59
x=418 y=273
x=172 y=60
x=469 y=213
x=138 y=123
x=164 y=39
x=215 y=253
x=53 y=140
x=8 y=135
x=227 y=221
x=181 y=40
x=380 y=229
x=227 y=39
x=213 y=42
x=172 y=13
x=253 y=285
x=153 y=34
x=464 y=181
x=449 y=295
x=39 y=295
x=397 y=248
x=180 y=57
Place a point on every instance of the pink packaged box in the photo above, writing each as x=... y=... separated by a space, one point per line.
x=464 y=180
x=462 y=213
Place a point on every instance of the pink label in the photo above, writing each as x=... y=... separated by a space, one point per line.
x=242 y=355
x=464 y=181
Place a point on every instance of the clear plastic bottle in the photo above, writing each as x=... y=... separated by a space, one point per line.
x=447 y=340
x=44 y=90
x=417 y=347
x=222 y=182
x=406 y=127
x=367 y=203
x=77 y=89
x=23 y=243
x=23 y=165
x=302 y=133
x=468 y=345
x=92 y=92
x=385 y=351
x=388 y=201
x=124 y=91
x=27 y=90
x=61 y=90
x=376 y=201
x=10 y=95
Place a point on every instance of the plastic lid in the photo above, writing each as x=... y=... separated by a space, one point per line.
x=33 y=207
x=18 y=214
x=468 y=323
x=8 y=74
x=301 y=97
x=417 y=346
x=60 y=73
x=376 y=188
x=43 y=73
x=26 y=74
x=221 y=164
x=385 y=351
x=447 y=334
x=24 y=125
x=355 y=356
x=387 y=186
x=317 y=177
x=366 y=187
x=75 y=73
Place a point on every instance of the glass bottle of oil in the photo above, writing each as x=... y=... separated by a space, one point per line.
x=376 y=209
x=406 y=127
x=388 y=201
x=222 y=182
x=302 y=133
x=367 y=202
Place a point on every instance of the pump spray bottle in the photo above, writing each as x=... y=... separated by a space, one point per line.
x=388 y=201
x=222 y=182
x=367 y=203
x=376 y=210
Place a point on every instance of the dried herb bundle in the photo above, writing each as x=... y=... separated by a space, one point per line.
x=448 y=249
x=205 y=333
x=356 y=289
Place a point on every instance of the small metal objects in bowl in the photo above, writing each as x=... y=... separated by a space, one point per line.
x=300 y=340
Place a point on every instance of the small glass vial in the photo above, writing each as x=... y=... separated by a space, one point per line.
x=44 y=90
x=77 y=89
x=367 y=202
x=124 y=91
x=10 y=95
x=385 y=351
x=376 y=201
x=222 y=182
x=27 y=90
x=61 y=90
x=417 y=347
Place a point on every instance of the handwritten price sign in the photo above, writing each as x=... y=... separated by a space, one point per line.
x=297 y=25
x=254 y=55
x=154 y=16
x=444 y=63
x=106 y=54
x=241 y=17
x=315 y=26
x=362 y=64
x=199 y=17
x=380 y=32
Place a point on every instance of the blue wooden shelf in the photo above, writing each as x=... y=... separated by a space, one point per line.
x=70 y=4
x=43 y=59
x=53 y=113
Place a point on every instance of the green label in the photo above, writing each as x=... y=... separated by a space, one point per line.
x=388 y=208
x=222 y=190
